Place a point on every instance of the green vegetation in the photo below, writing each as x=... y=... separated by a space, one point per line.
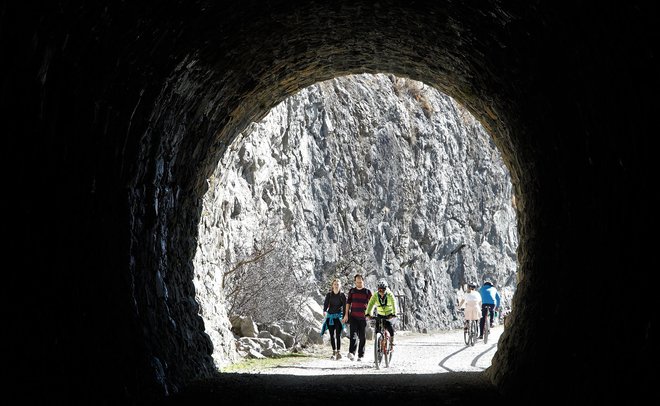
x=251 y=364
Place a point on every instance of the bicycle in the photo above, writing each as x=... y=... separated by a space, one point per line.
x=382 y=342
x=471 y=331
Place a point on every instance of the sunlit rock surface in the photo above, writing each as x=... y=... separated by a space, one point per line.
x=389 y=165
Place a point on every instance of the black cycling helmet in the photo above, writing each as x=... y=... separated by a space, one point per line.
x=487 y=282
x=472 y=285
x=382 y=284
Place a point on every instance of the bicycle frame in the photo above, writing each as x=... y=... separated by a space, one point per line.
x=471 y=330
x=472 y=333
x=382 y=343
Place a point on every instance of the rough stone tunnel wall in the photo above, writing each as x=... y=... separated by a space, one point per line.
x=117 y=113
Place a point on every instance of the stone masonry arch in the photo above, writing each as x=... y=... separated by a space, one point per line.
x=118 y=113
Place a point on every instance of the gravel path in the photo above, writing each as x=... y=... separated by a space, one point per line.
x=426 y=369
x=414 y=353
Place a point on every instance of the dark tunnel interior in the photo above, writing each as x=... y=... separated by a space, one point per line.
x=116 y=113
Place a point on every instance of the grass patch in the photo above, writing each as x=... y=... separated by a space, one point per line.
x=251 y=364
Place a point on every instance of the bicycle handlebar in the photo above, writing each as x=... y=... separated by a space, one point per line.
x=380 y=316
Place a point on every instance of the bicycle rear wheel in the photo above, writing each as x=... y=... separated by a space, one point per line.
x=389 y=352
x=473 y=332
x=486 y=330
x=385 y=346
x=466 y=333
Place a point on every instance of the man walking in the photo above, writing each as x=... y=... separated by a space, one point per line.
x=356 y=305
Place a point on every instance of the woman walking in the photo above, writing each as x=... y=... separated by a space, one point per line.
x=333 y=310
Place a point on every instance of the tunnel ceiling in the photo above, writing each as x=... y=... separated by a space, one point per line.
x=125 y=109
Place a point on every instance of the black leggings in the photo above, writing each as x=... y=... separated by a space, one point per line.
x=486 y=312
x=358 y=336
x=389 y=327
x=335 y=335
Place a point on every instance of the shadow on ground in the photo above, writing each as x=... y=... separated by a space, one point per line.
x=447 y=388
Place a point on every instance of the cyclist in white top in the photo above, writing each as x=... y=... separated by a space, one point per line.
x=472 y=301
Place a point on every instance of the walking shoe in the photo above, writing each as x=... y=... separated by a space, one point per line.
x=359 y=359
x=338 y=357
x=481 y=337
x=351 y=356
x=492 y=325
x=334 y=355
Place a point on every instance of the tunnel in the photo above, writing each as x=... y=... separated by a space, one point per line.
x=116 y=113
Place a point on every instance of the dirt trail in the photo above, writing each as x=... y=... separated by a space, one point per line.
x=415 y=353
x=433 y=369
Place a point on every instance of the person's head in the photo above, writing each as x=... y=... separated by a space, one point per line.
x=471 y=286
x=336 y=285
x=359 y=281
x=382 y=286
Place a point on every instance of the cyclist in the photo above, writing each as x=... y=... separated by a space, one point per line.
x=472 y=301
x=490 y=301
x=385 y=306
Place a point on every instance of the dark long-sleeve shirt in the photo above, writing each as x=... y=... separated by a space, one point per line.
x=357 y=301
x=334 y=302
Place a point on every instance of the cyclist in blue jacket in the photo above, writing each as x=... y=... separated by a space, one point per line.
x=490 y=301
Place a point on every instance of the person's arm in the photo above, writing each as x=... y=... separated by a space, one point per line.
x=370 y=305
x=326 y=303
x=343 y=304
x=460 y=304
x=393 y=304
x=497 y=300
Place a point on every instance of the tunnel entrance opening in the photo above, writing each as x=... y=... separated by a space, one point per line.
x=130 y=107
x=370 y=174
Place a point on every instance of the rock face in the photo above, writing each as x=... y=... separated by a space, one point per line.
x=375 y=164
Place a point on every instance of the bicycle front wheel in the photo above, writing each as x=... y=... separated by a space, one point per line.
x=377 y=353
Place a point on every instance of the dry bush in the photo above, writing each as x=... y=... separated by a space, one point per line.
x=266 y=284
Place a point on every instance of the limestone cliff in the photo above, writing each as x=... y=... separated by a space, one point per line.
x=381 y=163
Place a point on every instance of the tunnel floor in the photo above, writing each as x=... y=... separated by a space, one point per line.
x=418 y=374
x=450 y=389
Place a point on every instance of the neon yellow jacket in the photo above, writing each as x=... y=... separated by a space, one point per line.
x=384 y=309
